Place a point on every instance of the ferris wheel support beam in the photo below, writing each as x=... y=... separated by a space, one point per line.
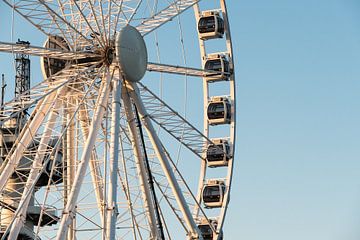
x=127 y=191
x=95 y=171
x=70 y=153
x=193 y=231
x=101 y=106
x=144 y=184
x=37 y=165
x=114 y=158
x=10 y=164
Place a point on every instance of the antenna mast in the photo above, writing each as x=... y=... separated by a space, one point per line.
x=3 y=86
x=22 y=80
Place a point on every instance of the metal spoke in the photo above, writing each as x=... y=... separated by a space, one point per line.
x=44 y=18
x=45 y=52
x=188 y=71
x=87 y=20
x=165 y=15
x=173 y=123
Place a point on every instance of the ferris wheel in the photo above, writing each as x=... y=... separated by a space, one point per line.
x=92 y=150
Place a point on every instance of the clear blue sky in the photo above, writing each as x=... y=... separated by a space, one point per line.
x=298 y=72
x=298 y=140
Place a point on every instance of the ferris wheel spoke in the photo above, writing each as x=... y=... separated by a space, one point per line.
x=169 y=200
x=109 y=15
x=69 y=210
x=64 y=15
x=180 y=70
x=88 y=19
x=44 y=88
x=173 y=123
x=103 y=21
x=44 y=18
x=44 y=52
x=100 y=24
x=163 y=187
x=192 y=229
x=132 y=11
x=165 y=15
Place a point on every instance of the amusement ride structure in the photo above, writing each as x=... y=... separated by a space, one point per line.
x=82 y=152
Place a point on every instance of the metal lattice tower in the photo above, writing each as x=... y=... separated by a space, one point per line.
x=22 y=78
x=22 y=81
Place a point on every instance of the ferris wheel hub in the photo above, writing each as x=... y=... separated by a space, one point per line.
x=131 y=53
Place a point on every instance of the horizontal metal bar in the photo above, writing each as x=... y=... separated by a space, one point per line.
x=166 y=68
x=44 y=52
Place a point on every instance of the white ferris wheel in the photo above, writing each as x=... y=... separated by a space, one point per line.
x=92 y=150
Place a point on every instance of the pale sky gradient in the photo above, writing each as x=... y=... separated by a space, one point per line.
x=298 y=133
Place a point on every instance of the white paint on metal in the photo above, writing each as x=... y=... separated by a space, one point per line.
x=144 y=184
x=193 y=231
x=232 y=131
x=131 y=53
x=35 y=170
x=69 y=211
x=114 y=158
x=10 y=163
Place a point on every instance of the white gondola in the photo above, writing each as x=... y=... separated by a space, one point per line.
x=218 y=66
x=219 y=111
x=206 y=230
x=50 y=66
x=213 y=193
x=210 y=25
x=218 y=153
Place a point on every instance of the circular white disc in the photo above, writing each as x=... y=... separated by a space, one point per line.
x=131 y=53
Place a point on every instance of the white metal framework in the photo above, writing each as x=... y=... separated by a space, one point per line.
x=96 y=157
